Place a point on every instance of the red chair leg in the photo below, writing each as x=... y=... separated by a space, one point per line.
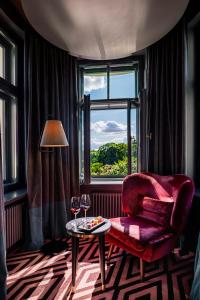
x=141 y=269
x=110 y=251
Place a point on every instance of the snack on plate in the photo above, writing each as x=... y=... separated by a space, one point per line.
x=94 y=222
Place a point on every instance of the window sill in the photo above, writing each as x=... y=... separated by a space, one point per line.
x=15 y=196
x=101 y=187
x=106 y=182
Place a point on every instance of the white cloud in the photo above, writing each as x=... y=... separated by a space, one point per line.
x=94 y=83
x=108 y=126
x=102 y=138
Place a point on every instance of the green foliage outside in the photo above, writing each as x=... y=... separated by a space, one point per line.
x=111 y=159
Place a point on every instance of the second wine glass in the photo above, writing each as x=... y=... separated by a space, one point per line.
x=75 y=208
x=85 y=204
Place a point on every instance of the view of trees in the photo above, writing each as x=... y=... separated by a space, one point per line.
x=111 y=159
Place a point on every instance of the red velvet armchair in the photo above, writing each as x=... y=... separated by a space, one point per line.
x=157 y=208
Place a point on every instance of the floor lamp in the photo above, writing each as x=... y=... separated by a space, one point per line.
x=53 y=137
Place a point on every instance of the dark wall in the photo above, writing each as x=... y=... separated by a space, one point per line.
x=197 y=102
x=14 y=14
x=192 y=9
x=192 y=91
x=192 y=17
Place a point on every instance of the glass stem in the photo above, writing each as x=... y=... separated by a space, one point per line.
x=75 y=219
x=85 y=218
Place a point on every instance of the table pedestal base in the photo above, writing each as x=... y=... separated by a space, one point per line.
x=99 y=232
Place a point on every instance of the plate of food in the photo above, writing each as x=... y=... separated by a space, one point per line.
x=92 y=224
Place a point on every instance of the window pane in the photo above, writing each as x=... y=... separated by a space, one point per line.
x=108 y=149
x=134 y=141
x=14 y=139
x=95 y=84
x=1 y=62
x=3 y=137
x=122 y=84
x=8 y=109
x=8 y=139
x=8 y=55
x=81 y=149
x=13 y=64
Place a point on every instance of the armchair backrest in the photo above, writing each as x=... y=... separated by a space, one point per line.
x=178 y=188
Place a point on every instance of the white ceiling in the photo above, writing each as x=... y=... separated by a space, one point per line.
x=103 y=29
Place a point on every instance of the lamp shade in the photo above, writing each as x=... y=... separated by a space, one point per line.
x=53 y=135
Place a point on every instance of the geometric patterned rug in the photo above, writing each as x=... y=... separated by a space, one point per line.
x=34 y=275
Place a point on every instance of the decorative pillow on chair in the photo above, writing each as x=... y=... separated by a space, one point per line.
x=155 y=210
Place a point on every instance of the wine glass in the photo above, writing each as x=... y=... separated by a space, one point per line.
x=85 y=204
x=75 y=208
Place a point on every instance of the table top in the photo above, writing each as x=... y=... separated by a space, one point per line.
x=76 y=232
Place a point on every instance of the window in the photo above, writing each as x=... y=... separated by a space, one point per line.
x=8 y=108
x=110 y=121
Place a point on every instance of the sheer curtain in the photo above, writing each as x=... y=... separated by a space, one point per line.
x=51 y=177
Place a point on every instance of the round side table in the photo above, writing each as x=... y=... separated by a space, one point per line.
x=76 y=233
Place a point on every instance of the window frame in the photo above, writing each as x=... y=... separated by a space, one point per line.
x=9 y=90
x=85 y=108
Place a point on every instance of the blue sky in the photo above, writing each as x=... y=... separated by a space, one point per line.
x=110 y=125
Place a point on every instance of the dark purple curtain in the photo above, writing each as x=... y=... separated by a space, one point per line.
x=3 y=268
x=165 y=103
x=52 y=177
